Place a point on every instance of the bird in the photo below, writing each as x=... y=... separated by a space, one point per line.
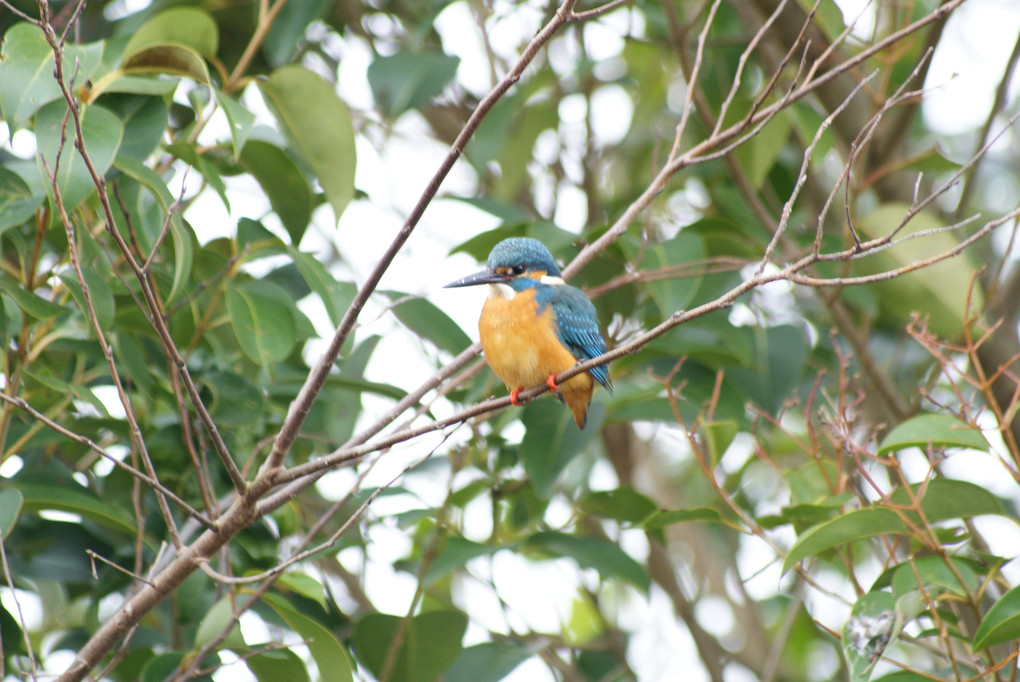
x=534 y=325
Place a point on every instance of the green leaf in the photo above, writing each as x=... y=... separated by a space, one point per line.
x=605 y=557
x=673 y=287
x=873 y=625
x=184 y=26
x=26 y=72
x=427 y=321
x=1001 y=623
x=276 y=665
x=234 y=398
x=216 y=619
x=162 y=666
x=854 y=525
x=75 y=500
x=431 y=643
x=718 y=436
x=79 y=391
x=329 y=654
x=552 y=440
x=666 y=517
x=102 y=131
x=17 y=203
x=145 y=121
x=409 y=80
x=31 y=303
x=174 y=60
x=306 y=586
x=935 y=429
x=946 y=498
x=457 y=552
x=778 y=366
x=318 y=126
x=239 y=119
x=620 y=504
x=284 y=184
x=179 y=233
x=336 y=296
x=11 y=502
x=262 y=320
x=759 y=155
x=99 y=291
x=935 y=575
x=937 y=291
x=487 y=662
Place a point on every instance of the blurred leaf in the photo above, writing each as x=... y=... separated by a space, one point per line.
x=552 y=440
x=145 y=120
x=935 y=575
x=329 y=654
x=319 y=127
x=620 y=504
x=758 y=155
x=174 y=60
x=306 y=586
x=182 y=244
x=779 y=364
x=428 y=322
x=718 y=436
x=287 y=34
x=409 y=80
x=102 y=297
x=946 y=498
x=671 y=287
x=605 y=557
x=336 y=296
x=31 y=303
x=79 y=391
x=938 y=430
x=455 y=553
x=184 y=26
x=1001 y=623
x=11 y=502
x=162 y=666
x=938 y=292
x=276 y=665
x=17 y=204
x=234 y=398
x=239 y=119
x=216 y=619
x=262 y=320
x=284 y=184
x=431 y=643
x=27 y=81
x=666 y=517
x=102 y=132
x=854 y=525
x=869 y=631
x=75 y=500
x=487 y=662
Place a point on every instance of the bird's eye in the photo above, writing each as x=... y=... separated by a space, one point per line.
x=517 y=270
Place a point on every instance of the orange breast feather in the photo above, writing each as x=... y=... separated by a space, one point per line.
x=523 y=349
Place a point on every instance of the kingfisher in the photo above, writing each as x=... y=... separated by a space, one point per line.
x=534 y=325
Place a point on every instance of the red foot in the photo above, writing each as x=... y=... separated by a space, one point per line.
x=514 y=400
x=551 y=382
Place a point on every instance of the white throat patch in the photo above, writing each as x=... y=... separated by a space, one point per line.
x=500 y=290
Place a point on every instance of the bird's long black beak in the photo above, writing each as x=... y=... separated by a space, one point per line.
x=483 y=277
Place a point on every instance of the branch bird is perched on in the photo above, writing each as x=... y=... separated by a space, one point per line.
x=534 y=325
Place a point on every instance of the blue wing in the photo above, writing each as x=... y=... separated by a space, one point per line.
x=578 y=326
